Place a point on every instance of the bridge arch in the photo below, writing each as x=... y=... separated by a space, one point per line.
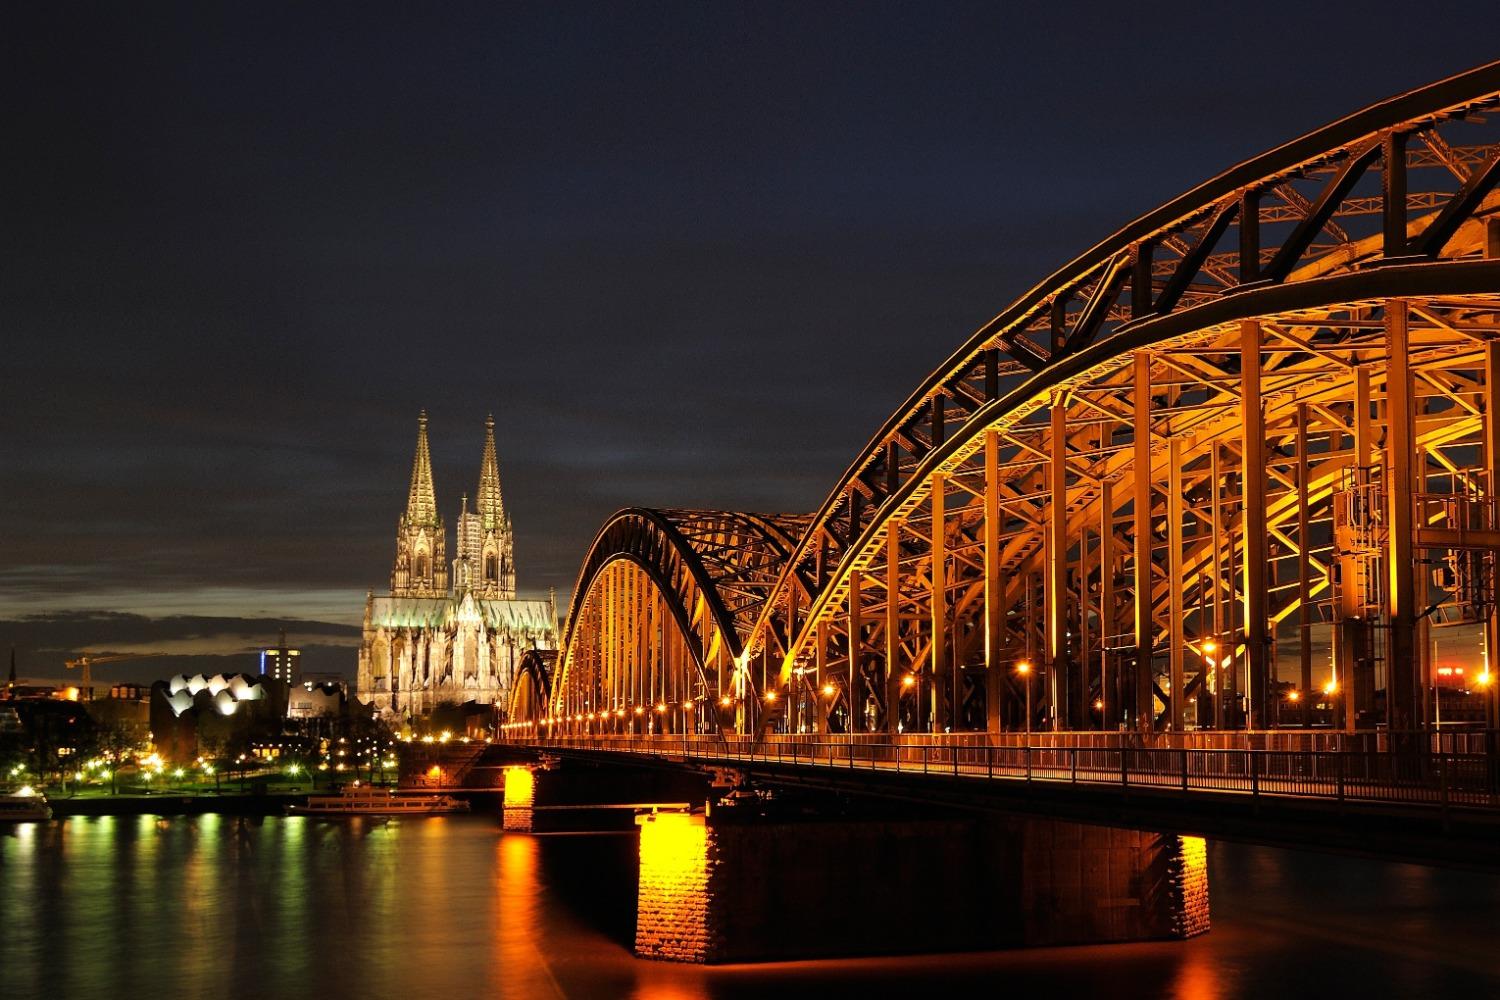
x=657 y=624
x=1255 y=426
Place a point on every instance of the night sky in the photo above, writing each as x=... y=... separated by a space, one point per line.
x=688 y=255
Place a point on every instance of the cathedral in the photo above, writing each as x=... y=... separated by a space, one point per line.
x=449 y=632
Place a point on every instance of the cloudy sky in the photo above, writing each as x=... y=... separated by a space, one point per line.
x=687 y=254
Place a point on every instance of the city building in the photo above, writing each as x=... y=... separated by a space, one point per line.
x=201 y=714
x=449 y=633
x=282 y=663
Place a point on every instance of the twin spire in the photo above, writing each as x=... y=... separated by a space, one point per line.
x=421 y=500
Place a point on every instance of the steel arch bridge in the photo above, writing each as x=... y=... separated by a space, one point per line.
x=1241 y=452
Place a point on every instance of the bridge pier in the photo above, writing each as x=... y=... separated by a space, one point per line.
x=520 y=796
x=731 y=888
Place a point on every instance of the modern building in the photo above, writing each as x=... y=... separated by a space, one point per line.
x=198 y=714
x=282 y=663
x=449 y=633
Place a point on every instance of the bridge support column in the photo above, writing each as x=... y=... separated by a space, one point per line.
x=893 y=627
x=1145 y=636
x=994 y=588
x=1403 y=653
x=1058 y=661
x=1492 y=467
x=944 y=680
x=1253 y=495
x=726 y=889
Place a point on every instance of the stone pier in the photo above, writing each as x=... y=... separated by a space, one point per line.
x=520 y=796
x=728 y=889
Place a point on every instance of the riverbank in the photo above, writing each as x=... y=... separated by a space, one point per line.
x=177 y=804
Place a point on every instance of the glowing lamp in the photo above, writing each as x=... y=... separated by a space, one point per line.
x=828 y=690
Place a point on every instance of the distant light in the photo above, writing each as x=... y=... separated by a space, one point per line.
x=1332 y=687
x=661 y=706
x=726 y=701
x=1099 y=704
x=770 y=696
x=1294 y=696
x=1023 y=668
x=26 y=791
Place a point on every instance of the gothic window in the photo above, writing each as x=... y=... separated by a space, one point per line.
x=422 y=566
x=491 y=568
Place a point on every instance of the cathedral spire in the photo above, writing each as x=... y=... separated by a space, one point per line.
x=421 y=502
x=488 y=502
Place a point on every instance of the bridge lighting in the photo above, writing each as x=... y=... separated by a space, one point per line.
x=1294 y=695
x=1484 y=679
x=1023 y=668
x=639 y=710
x=661 y=706
x=1209 y=646
x=770 y=696
x=726 y=701
x=908 y=680
x=1098 y=704
x=620 y=713
x=688 y=705
x=829 y=690
x=1331 y=688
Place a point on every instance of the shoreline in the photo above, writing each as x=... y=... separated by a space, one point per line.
x=234 y=804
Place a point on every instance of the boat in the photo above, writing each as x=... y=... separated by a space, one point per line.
x=25 y=805
x=367 y=801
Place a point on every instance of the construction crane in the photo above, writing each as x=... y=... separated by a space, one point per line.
x=86 y=664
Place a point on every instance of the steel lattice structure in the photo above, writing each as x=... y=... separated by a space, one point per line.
x=1252 y=433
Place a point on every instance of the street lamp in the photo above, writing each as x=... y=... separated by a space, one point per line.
x=1024 y=669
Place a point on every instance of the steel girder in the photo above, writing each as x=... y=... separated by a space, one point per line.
x=1250 y=421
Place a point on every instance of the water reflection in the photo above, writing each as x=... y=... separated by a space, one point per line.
x=114 y=908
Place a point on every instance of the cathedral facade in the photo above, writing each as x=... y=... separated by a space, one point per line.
x=449 y=631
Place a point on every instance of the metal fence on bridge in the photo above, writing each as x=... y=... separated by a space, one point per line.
x=1445 y=779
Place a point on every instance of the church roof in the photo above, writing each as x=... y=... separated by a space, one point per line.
x=437 y=612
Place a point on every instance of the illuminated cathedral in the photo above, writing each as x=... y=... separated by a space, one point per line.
x=449 y=631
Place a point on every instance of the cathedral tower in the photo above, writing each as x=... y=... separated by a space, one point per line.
x=421 y=568
x=495 y=541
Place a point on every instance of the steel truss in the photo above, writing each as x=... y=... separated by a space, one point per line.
x=1247 y=443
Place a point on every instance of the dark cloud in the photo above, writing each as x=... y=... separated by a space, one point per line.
x=191 y=643
x=688 y=254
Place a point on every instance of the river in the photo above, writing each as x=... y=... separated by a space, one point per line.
x=214 y=906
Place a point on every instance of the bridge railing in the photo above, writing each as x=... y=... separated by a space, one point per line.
x=1419 y=778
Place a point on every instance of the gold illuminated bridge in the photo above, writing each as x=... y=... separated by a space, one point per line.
x=1225 y=482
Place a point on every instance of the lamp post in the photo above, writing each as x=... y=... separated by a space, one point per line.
x=1024 y=669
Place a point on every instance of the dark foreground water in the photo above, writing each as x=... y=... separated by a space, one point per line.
x=215 y=906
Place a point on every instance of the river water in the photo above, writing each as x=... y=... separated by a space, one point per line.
x=448 y=906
